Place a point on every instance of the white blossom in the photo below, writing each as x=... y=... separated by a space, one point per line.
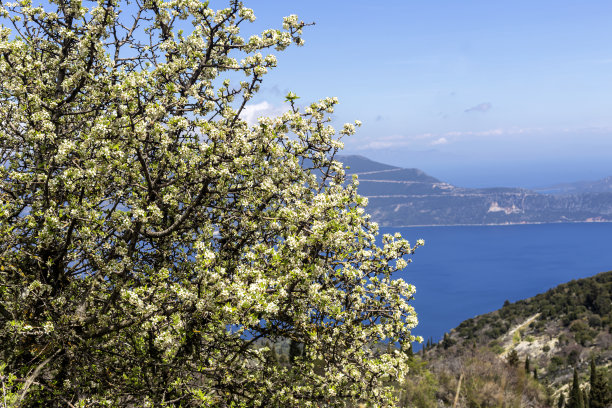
x=147 y=232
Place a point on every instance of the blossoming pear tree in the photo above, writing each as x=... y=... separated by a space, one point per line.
x=152 y=241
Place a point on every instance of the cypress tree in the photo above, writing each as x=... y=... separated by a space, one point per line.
x=575 y=399
x=599 y=396
x=561 y=402
x=527 y=370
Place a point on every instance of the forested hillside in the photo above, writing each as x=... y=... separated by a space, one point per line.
x=523 y=354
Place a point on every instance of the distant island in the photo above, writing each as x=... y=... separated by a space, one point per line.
x=403 y=197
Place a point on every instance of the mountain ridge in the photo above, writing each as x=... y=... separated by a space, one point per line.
x=403 y=197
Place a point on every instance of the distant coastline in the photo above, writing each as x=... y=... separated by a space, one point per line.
x=408 y=197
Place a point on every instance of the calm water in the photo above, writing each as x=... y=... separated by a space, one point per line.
x=466 y=271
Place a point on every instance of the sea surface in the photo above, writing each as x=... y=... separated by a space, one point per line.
x=465 y=271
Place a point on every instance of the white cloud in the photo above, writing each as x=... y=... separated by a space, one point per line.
x=396 y=140
x=439 y=141
x=436 y=139
x=481 y=107
x=384 y=142
x=252 y=112
x=445 y=141
x=490 y=132
x=378 y=144
x=423 y=136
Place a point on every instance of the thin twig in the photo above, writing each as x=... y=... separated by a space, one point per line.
x=31 y=378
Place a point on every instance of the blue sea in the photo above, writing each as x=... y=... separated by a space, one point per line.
x=465 y=271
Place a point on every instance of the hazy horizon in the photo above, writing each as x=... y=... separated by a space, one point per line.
x=492 y=174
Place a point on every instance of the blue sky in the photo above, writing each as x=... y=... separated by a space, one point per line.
x=477 y=93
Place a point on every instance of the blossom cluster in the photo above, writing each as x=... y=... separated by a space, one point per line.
x=151 y=239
